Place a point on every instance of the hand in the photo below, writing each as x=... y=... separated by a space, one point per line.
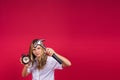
x=49 y=51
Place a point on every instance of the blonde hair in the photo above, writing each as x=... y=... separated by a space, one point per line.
x=41 y=60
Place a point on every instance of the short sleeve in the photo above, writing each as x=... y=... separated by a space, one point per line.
x=56 y=65
x=31 y=68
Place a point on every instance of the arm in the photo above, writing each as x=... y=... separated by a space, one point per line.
x=24 y=71
x=65 y=61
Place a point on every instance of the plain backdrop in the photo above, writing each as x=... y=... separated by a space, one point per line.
x=84 y=31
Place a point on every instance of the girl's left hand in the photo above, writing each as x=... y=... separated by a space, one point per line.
x=49 y=51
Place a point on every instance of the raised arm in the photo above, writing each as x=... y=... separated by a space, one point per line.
x=65 y=61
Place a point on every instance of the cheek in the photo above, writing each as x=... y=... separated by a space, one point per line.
x=41 y=51
x=33 y=52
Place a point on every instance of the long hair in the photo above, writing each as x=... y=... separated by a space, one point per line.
x=41 y=60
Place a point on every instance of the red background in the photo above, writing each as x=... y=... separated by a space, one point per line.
x=86 y=32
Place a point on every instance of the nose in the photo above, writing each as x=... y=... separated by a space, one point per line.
x=36 y=51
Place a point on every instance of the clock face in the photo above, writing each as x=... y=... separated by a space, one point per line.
x=26 y=59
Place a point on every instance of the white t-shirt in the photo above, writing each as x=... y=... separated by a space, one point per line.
x=47 y=73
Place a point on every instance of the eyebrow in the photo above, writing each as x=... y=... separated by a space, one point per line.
x=36 y=47
x=33 y=49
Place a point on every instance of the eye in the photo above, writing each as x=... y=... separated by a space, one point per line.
x=38 y=48
x=33 y=49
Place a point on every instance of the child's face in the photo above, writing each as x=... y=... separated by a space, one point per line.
x=38 y=51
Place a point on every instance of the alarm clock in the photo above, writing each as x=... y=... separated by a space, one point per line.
x=25 y=59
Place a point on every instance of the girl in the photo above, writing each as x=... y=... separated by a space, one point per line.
x=44 y=61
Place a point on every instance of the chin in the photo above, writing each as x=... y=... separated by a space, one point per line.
x=38 y=56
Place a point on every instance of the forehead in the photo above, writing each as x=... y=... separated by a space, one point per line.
x=38 y=46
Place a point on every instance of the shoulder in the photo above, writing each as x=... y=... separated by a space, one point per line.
x=51 y=60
